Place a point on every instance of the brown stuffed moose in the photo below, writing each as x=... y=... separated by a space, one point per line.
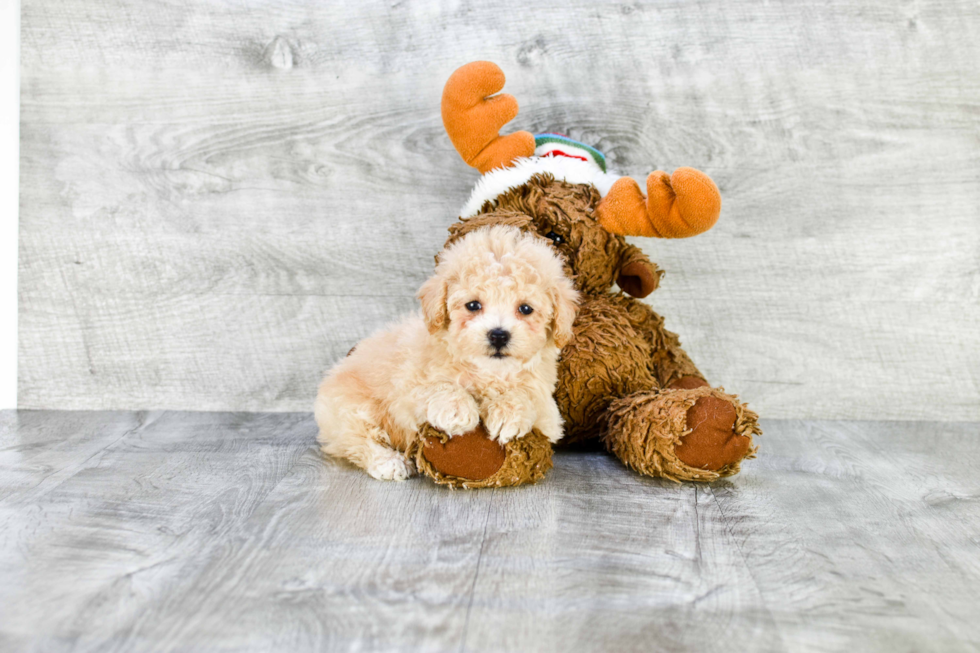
x=623 y=379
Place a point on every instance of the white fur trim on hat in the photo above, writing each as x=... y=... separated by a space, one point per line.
x=499 y=180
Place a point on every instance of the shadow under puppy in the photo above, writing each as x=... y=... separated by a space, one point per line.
x=494 y=318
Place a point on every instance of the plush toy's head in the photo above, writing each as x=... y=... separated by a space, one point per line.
x=561 y=190
x=563 y=214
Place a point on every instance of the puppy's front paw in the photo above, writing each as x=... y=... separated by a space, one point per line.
x=508 y=419
x=392 y=466
x=550 y=423
x=454 y=414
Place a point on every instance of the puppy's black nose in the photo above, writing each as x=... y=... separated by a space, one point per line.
x=498 y=338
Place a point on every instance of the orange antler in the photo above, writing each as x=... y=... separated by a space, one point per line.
x=684 y=204
x=473 y=116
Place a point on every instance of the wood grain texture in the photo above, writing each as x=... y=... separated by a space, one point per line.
x=219 y=199
x=227 y=531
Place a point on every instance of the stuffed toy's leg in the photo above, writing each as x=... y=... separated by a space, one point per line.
x=682 y=428
x=473 y=460
x=684 y=434
x=607 y=359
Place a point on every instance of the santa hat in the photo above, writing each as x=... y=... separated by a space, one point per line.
x=564 y=158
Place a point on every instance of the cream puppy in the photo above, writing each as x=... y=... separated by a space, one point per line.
x=494 y=317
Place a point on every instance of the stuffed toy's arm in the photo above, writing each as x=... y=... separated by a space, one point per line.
x=638 y=275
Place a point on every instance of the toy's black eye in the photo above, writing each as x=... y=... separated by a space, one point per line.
x=473 y=306
x=525 y=309
x=557 y=239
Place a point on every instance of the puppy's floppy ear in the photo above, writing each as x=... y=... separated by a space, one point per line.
x=564 y=299
x=433 y=294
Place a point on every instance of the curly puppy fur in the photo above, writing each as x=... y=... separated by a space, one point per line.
x=474 y=353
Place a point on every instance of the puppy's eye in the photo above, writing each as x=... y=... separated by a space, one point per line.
x=557 y=239
x=473 y=306
x=525 y=309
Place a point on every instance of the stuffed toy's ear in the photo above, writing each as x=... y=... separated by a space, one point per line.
x=473 y=116
x=433 y=294
x=565 y=300
x=638 y=276
x=683 y=204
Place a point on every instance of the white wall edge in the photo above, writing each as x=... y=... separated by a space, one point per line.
x=9 y=196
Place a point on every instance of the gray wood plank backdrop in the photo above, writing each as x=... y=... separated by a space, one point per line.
x=219 y=198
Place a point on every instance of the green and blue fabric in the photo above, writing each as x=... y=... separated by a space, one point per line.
x=549 y=144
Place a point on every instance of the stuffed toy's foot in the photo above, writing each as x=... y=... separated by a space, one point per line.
x=689 y=432
x=473 y=460
x=680 y=205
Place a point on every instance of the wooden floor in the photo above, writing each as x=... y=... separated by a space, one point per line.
x=227 y=531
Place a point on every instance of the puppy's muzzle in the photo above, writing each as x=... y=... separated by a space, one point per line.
x=498 y=340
